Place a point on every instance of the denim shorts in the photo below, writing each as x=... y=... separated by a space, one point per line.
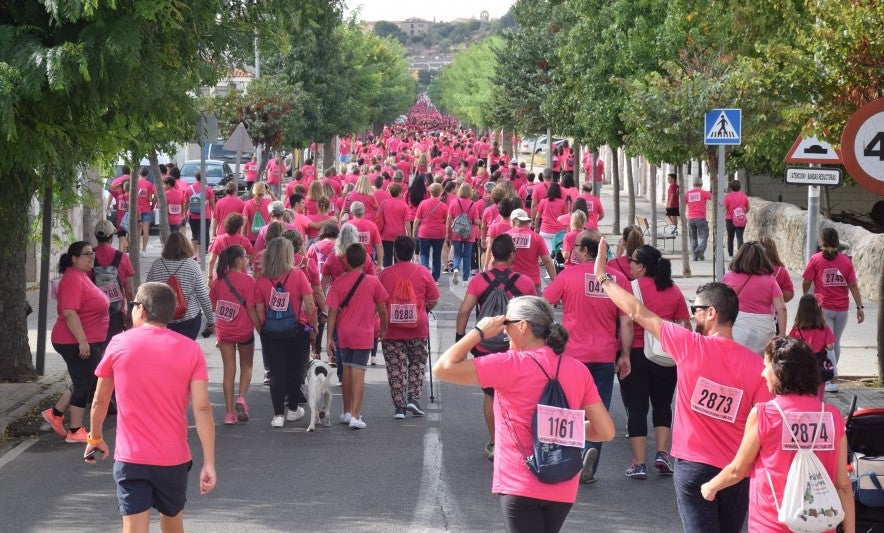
x=146 y=217
x=140 y=487
x=355 y=358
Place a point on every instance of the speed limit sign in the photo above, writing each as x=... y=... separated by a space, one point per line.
x=862 y=146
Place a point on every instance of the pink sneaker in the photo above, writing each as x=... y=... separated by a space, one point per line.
x=57 y=422
x=229 y=418
x=242 y=409
x=77 y=437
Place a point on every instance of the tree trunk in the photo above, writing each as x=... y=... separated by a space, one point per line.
x=683 y=222
x=162 y=204
x=576 y=157
x=652 y=197
x=134 y=217
x=15 y=353
x=881 y=327
x=327 y=151
x=507 y=142
x=615 y=189
x=630 y=190
x=93 y=209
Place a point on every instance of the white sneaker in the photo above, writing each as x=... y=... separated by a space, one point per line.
x=356 y=423
x=345 y=418
x=455 y=276
x=278 y=421
x=831 y=386
x=297 y=414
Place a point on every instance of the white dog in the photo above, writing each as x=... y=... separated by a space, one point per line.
x=318 y=391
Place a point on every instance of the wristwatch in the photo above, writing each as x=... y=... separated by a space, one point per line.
x=605 y=277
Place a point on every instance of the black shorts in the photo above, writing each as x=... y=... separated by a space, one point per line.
x=672 y=212
x=489 y=391
x=140 y=487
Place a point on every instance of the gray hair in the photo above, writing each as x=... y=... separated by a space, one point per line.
x=449 y=171
x=357 y=209
x=698 y=181
x=398 y=176
x=158 y=301
x=347 y=236
x=276 y=208
x=279 y=258
x=538 y=313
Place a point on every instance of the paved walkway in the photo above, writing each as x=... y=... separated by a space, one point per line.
x=858 y=357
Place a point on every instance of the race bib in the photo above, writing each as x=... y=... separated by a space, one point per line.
x=123 y=203
x=832 y=277
x=403 y=313
x=693 y=197
x=715 y=400
x=590 y=207
x=739 y=212
x=175 y=209
x=113 y=292
x=364 y=237
x=227 y=311
x=521 y=240
x=557 y=425
x=279 y=301
x=591 y=286
x=807 y=428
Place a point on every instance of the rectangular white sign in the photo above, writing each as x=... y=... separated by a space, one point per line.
x=813 y=176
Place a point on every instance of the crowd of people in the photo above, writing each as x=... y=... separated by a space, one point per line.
x=354 y=258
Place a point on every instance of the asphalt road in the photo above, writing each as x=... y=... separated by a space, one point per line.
x=420 y=474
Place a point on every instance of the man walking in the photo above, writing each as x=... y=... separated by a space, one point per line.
x=698 y=226
x=154 y=371
x=530 y=247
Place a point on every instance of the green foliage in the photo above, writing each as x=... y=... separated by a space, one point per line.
x=382 y=29
x=464 y=87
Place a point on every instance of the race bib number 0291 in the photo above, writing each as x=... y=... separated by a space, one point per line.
x=226 y=310
x=403 y=313
x=808 y=429
x=557 y=425
x=716 y=400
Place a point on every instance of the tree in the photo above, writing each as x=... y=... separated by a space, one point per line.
x=464 y=87
x=383 y=28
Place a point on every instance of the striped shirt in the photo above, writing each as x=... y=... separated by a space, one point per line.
x=192 y=281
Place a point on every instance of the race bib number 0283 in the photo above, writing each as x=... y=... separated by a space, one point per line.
x=557 y=425
x=808 y=429
x=716 y=400
x=403 y=313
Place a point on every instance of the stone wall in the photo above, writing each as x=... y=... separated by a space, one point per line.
x=787 y=224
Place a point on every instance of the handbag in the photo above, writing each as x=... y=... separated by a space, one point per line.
x=654 y=351
x=825 y=361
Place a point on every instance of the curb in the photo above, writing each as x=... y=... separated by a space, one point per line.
x=46 y=390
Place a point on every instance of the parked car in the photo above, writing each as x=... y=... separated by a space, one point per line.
x=534 y=145
x=216 y=151
x=218 y=173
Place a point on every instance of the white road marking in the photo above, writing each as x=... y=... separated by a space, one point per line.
x=435 y=503
x=15 y=452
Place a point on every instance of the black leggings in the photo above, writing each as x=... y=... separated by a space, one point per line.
x=287 y=359
x=530 y=515
x=389 y=253
x=647 y=380
x=731 y=232
x=82 y=371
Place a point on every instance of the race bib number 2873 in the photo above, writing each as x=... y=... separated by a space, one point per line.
x=716 y=400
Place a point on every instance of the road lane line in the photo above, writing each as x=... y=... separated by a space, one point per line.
x=15 y=452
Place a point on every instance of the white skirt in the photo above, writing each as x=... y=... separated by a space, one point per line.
x=754 y=330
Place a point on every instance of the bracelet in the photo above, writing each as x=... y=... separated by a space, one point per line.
x=860 y=307
x=480 y=332
x=93 y=442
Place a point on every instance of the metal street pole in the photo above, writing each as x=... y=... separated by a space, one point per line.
x=43 y=302
x=813 y=218
x=718 y=251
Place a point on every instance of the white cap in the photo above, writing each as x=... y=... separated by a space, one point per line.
x=520 y=214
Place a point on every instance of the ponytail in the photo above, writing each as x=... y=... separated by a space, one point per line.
x=663 y=275
x=557 y=338
x=227 y=258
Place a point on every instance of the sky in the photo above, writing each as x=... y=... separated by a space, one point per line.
x=441 y=10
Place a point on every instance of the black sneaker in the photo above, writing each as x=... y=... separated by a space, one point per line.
x=587 y=475
x=267 y=377
x=414 y=407
x=663 y=464
x=400 y=413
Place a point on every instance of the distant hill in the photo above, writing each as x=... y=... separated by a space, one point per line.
x=430 y=39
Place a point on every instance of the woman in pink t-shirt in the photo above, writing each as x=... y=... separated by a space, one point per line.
x=736 y=207
x=462 y=246
x=672 y=206
x=78 y=336
x=810 y=326
x=631 y=240
x=781 y=273
x=429 y=228
x=770 y=443
x=233 y=299
x=762 y=308
x=548 y=211
x=577 y=224
x=535 y=341
x=175 y=204
x=832 y=276
x=257 y=205
x=648 y=380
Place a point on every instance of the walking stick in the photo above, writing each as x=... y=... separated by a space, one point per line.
x=430 y=357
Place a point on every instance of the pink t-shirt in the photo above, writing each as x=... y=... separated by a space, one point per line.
x=76 y=291
x=530 y=247
x=518 y=383
x=146 y=192
x=718 y=383
x=784 y=280
x=696 y=201
x=755 y=292
x=778 y=449
x=369 y=236
x=195 y=188
x=308 y=266
x=462 y=205
x=733 y=200
x=352 y=322
x=232 y=321
x=589 y=315
x=498 y=228
x=224 y=240
x=336 y=266
x=594 y=210
x=296 y=286
x=176 y=205
x=251 y=170
x=432 y=214
x=396 y=215
x=255 y=205
x=830 y=280
x=122 y=207
x=817 y=339
x=669 y=304
x=320 y=251
x=312 y=233
x=152 y=369
x=568 y=245
x=672 y=196
x=225 y=206
x=424 y=288
x=274 y=172
x=621 y=266
x=309 y=172
x=550 y=211
x=369 y=201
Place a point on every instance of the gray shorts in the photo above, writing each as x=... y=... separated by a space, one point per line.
x=355 y=358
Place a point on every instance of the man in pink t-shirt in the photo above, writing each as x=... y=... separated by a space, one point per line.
x=600 y=334
x=719 y=382
x=155 y=373
x=275 y=171
x=698 y=227
x=530 y=248
x=369 y=236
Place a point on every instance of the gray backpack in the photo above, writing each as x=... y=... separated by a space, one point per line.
x=106 y=278
x=493 y=302
x=462 y=227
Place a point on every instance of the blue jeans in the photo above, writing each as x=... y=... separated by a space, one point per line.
x=463 y=257
x=698 y=233
x=726 y=514
x=603 y=376
x=425 y=246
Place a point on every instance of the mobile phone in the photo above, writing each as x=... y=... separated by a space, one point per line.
x=92 y=455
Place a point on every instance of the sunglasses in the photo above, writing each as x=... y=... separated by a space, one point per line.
x=695 y=307
x=507 y=322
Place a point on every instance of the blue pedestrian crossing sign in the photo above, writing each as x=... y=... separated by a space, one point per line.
x=723 y=126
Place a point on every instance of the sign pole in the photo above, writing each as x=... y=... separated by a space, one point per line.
x=718 y=251
x=813 y=218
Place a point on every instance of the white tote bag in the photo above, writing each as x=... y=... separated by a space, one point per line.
x=810 y=501
x=654 y=351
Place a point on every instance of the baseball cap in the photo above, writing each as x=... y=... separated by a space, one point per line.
x=104 y=228
x=514 y=161
x=520 y=214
